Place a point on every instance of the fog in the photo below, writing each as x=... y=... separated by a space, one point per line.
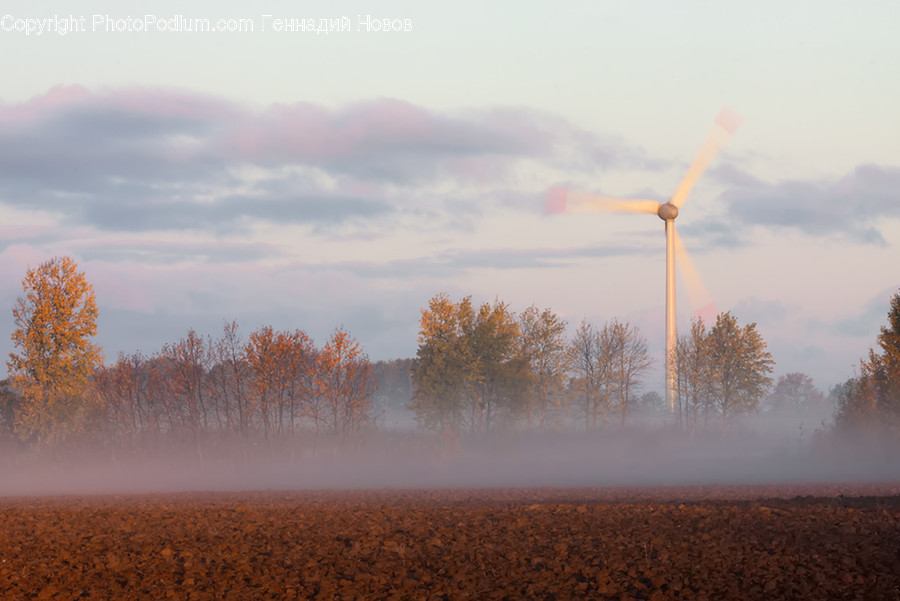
x=406 y=459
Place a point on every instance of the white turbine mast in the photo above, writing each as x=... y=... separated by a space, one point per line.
x=560 y=200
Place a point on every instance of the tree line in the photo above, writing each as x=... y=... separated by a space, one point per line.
x=273 y=384
x=480 y=366
x=477 y=367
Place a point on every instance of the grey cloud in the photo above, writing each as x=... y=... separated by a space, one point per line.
x=869 y=321
x=80 y=144
x=168 y=253
x=174 y=213
x=754 y=309
x=445 y=265
x=150 y=159
x=850 y=207
x=713 y=232
x=388 y=139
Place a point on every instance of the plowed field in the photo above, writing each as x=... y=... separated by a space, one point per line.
x=801 y=542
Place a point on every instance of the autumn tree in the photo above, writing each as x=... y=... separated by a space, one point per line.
x=442 y=365
x=871 y=401
x=694 y=401
x=625 y=348
x=590 y=374
x=883 y=370
x=497 y=369
x=608 y=364
x=9 y=401
x=264 y=356
x=795 y=393
x=278 y=363
x=55 y=322
x=722 y=371
x=544 y=347
x=229 y=381
x=470 y=371
x=121 y=391
x=856 y=408
x=181 y=379
x=740 y=366
x=347 y=383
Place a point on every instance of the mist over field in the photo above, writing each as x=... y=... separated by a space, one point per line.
x=634 y=456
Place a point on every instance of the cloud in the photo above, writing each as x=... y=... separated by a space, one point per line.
x=384 y=139
x=754 y=309
x=149 y=159
x=870 y=320
x=454 y=262
x=159 y=252
x=714 y=232
x=850 y=207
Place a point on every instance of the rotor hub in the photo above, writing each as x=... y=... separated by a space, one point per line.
x=667 y=211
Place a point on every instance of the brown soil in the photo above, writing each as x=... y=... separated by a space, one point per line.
x=800 y=542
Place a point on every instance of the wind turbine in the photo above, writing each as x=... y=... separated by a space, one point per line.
x=560 y=200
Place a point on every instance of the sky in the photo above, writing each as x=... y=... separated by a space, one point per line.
x=316 y=179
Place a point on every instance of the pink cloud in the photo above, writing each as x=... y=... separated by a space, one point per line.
x=305 y=131
x=373 y=139
x=15 y=260
x=154 y=103
x=38 y=106
x=170 y=103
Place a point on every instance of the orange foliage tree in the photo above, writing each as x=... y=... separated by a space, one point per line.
x=544 y=345
x=471 y=369
x=55 y=322
x=278 y=363
x=228 y=382
x=442 y=364
x=182 y=370
x=346 y=383
x=270 y=386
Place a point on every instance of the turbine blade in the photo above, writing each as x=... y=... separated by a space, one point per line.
x=556 y=201
x=707 y=314
x=726 y=124
x=701 y=301
x=561 y=200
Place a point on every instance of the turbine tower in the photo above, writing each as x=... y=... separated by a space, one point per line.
x=560 y=200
